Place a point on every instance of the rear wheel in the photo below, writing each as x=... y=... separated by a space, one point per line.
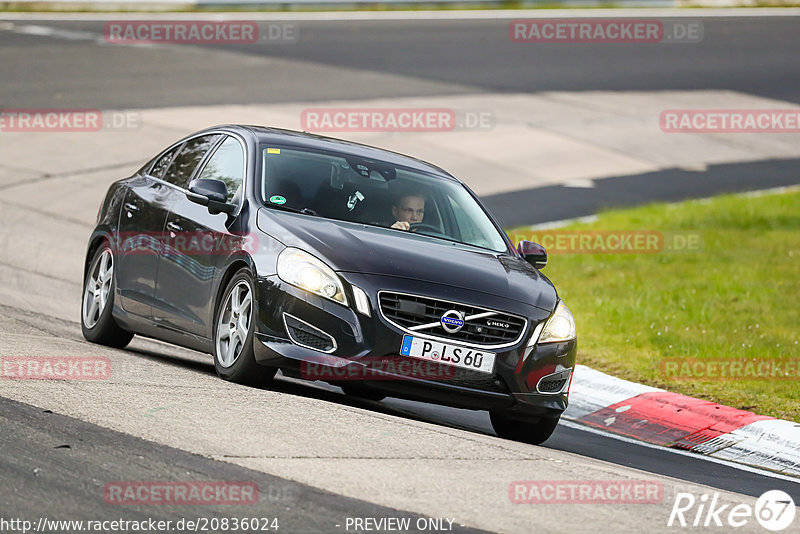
x=354 y=390
x=97 y=323
x=234 y=358
x=521 y=430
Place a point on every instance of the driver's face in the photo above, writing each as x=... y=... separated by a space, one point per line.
x=409 y=209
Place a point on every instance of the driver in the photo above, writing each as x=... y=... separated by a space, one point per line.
x=407 y=210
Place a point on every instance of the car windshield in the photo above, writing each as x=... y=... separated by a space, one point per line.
x=353 y=189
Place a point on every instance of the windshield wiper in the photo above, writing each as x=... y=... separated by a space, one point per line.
x=304 y=211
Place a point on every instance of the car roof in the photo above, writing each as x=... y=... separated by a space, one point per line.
x=283 y=137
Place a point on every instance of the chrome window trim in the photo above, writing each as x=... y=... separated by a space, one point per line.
x=452 y=341
x=163 y=153
x=294 y=341
x=179 y=144
x=204 y=161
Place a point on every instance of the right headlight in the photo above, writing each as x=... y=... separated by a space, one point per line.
x=560 y=326
x=307 y=272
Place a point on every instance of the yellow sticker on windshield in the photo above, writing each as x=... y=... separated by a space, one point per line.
x=273 y=151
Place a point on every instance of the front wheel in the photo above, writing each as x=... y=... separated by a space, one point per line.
x=524 y=431
x=234 y=358
x=97 y=323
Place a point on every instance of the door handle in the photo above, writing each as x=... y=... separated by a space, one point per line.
x=131 y=207
x=175 y=227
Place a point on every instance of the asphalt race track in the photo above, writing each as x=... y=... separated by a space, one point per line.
x=318 y=457
x=749 y=54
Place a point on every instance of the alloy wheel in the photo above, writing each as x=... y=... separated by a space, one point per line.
x=98 y=287
x=234 y=324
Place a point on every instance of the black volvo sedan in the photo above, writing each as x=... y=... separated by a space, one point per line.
x=330 y=260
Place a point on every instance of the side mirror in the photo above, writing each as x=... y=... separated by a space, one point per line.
x=211 y=193
x=534 y=253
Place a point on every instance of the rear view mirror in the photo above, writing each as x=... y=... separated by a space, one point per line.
x=215 y=190
x=211 y=193
x=534 y=253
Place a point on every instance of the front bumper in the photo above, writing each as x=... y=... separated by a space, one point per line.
x=526 y=382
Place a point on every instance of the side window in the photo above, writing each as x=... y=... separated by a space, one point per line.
x=227 y=165
x=163 y=162
x=188 y=158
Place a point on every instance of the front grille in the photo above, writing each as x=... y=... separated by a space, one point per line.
x=491 y=328
x=301 y=333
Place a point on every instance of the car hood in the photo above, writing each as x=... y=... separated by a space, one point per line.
x=353 y=247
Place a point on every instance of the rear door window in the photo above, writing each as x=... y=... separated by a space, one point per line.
x=163 y=162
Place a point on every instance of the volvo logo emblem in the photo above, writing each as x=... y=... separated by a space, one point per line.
x=452 y=321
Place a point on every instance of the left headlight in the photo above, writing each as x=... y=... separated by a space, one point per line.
x=303 y=270
x=560 y=326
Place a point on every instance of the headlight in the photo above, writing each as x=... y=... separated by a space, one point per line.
x=303 y=270
x=560 y=326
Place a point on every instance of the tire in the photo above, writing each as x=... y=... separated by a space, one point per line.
x=234 y=358
x=97 y=302
x=354 y=390
x=531 y=432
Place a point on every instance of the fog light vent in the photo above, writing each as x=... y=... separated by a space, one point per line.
x=305 y=335
x=554 y=383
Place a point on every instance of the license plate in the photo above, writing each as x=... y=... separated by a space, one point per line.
x=425 y=349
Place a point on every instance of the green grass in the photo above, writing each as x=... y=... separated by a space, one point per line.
x=736 y=298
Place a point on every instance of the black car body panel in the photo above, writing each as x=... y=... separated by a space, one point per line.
x=172 y=292
x=351 y=247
